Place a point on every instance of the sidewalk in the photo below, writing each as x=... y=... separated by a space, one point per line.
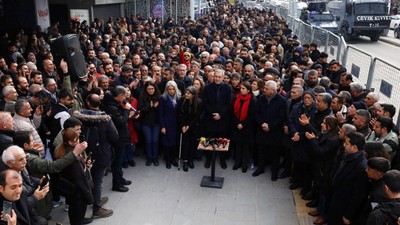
x=390 y=39
x=159 y=196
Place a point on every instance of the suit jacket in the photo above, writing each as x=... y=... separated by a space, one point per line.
x=216 y=99
x=274 y=114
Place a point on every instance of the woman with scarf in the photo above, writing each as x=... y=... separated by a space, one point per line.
x=190 y=107
x=257 y=87
x=242 y=135
x=168 y=117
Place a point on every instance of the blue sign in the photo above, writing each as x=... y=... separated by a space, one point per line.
x=386 y=88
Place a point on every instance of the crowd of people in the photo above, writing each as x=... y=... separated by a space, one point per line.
x=159 y=85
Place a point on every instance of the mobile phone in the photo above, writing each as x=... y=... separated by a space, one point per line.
x=89 y=157
x=82 y=138
x=7 y=206
x=44 y=181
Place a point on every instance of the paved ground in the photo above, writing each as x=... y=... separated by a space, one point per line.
x=390 y=39
x=170 y=197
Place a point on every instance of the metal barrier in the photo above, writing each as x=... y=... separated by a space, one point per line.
x=373 y=72
x=358 y=63
x=385 y=79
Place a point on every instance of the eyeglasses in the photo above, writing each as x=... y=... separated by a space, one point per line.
x=204 y=57
x=187 y=55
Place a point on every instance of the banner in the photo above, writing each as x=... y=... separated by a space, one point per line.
x=81 y=14
x=42 y=14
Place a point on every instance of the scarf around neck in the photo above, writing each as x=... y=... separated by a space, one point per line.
x=241 y=106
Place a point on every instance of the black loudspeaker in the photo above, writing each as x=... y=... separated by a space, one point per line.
x=68 y=48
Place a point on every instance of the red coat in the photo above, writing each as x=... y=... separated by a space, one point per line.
x=133 y=133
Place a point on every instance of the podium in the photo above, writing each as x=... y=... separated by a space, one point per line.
x=212 y=181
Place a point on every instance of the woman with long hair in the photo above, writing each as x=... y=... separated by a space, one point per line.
x=257 y=87
x=133 y=116
x=75 y=180
x=324 y=149
x=148 y=106
x=243 y=126
x=168 y=117
x=190 y=107
x=198 y=84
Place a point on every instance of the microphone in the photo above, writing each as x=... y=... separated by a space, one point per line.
x=131 y=108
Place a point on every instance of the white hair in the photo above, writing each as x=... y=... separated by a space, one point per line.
x=31 y=66
x=6 y=90
x=205 y=54
x=374 y=96
x=271 y=84
x=8 y=154
x=177 y=95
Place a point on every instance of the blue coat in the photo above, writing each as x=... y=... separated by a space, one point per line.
x=168 y=116
x=274 y=114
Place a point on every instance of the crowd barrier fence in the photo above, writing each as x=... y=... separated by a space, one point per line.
x=373 y=72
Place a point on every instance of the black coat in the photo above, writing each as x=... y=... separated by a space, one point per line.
x=220 y=105
x=25 y=213
x=6 y=139
x=274 y=114
x=190 y=115
x=324 y=149
x=53 y=123
x=377 y=195
x=107 y=134
x=316 y=120
x=335 y=76
x=349 y=189
x=148 y=115
x=78 y=174
x=119 y=116
x=385 y=213
x=245 y=135
x=300 y=149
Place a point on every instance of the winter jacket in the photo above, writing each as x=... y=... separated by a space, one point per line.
x=102 y=137
x=120 y=117
x=385 y=213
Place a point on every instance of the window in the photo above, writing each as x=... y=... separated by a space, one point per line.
x=370 y=9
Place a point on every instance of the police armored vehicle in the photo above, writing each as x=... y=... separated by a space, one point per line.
x=361 y=17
